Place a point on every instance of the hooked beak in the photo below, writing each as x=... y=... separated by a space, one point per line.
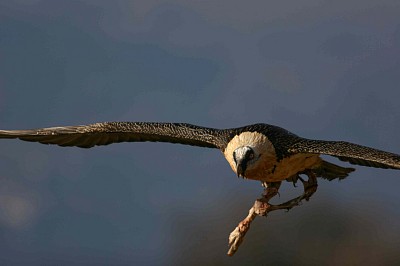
x=242 y=156
x=241 y=168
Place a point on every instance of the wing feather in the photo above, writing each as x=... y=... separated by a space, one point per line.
x=87 y=136
x=350 y=152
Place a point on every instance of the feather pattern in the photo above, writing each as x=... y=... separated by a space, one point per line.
x=87 y=136
x=349 y=152
x=284 y=142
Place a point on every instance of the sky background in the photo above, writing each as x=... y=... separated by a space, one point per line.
x=321 y=69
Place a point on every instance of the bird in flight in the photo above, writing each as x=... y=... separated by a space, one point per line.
x=260 y=152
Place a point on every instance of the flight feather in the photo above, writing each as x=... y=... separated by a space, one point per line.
x=349 y=152
x=87 y=136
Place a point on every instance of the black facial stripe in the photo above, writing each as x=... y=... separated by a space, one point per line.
x=234 y=157
x=248 y=153
x=247 y=157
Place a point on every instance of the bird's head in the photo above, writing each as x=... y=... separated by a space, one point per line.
x=248 y=153
x=245 y=157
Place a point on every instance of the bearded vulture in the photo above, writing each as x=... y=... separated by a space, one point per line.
x=260 y=152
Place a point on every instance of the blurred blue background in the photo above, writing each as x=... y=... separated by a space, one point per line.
x=322 y=69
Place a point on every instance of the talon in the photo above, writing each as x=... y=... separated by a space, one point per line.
x=292 y=179
x=261 y=208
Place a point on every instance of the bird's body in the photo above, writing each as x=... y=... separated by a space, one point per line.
x=260 y=152
x=270 y=169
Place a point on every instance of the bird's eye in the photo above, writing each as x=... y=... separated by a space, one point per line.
x=251 y=156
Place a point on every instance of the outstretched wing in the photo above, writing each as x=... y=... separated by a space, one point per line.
x=87 y=136
x=350 y=152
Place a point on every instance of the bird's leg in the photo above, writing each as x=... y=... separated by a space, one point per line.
x=311 y=185
x=260 y=208
x=261 y=205
x=293 y=179
x=270 y=189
